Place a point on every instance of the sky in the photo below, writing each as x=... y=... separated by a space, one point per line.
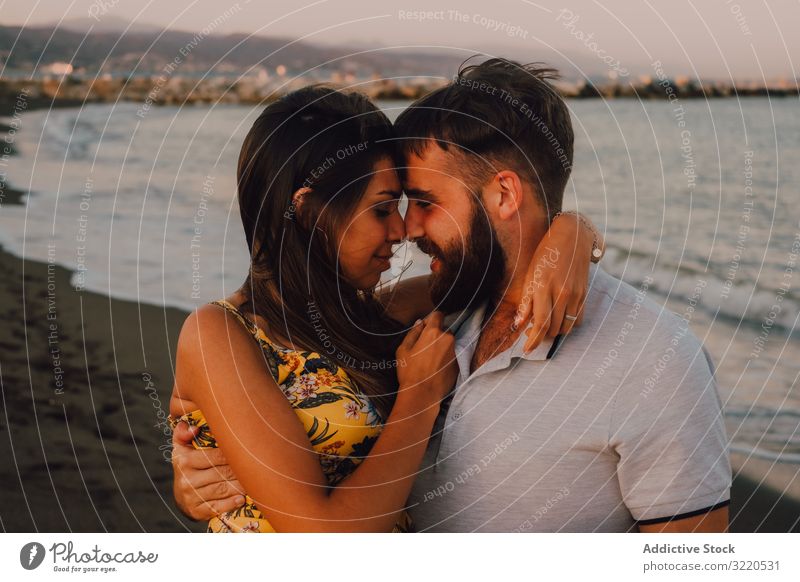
x=740 y=39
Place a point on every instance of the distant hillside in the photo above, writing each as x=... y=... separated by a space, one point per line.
x=109 y=51
x=109 y=23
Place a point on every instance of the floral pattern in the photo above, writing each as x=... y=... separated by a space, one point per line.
x=340 y=421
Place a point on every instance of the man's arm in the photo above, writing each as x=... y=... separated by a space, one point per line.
x=204 y=484
x=669 y=432
x=715 y=521
x=560 y=287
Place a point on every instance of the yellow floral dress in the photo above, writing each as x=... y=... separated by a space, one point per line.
x=339 y=419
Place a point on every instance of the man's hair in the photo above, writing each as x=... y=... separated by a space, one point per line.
x=500 y=115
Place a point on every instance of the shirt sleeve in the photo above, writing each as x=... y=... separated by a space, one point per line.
x=668 y=430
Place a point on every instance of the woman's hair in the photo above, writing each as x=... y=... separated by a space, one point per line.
x=328 y=141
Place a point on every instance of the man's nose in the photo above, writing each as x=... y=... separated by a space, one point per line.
x=413 y=221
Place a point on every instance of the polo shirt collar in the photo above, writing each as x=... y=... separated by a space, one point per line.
x=467 y=328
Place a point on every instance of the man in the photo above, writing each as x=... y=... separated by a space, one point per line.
x=614 y=427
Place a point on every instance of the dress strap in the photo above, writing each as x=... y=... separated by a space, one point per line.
x=254 y=330
x=272 y=352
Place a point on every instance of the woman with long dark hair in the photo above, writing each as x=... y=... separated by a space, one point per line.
x=320 y=391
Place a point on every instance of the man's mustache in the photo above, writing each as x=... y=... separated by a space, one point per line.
x=428 y=247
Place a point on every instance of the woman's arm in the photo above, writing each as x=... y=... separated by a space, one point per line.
x=558 y=277
x=222 y=370
x=556 y=284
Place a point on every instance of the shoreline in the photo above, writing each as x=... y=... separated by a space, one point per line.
x=7 y=107
x=10 y=195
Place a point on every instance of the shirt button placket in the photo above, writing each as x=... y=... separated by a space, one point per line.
x=453 y=415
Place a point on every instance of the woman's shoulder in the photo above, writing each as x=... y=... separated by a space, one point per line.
x=204 y=324
x=214 y=330
x=198 y=338
x=215 y=346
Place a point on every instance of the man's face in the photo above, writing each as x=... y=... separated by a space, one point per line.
x=447 y=221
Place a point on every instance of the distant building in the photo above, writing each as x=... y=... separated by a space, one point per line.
x=57 y=69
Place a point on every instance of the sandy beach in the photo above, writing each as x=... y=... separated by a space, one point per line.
x=86 y=383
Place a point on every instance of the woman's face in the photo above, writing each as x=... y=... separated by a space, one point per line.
x=365 y=244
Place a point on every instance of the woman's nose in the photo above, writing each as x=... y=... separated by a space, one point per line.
x=397 y=229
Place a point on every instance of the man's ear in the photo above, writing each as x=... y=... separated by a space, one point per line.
x=508 y=193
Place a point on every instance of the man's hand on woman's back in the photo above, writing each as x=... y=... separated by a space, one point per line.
x=204 y=485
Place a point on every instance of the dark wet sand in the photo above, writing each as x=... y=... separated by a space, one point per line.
x=764 y=504
x=90 y=455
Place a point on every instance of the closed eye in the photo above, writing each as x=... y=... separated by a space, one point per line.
x=386 y=209
x=421 y=198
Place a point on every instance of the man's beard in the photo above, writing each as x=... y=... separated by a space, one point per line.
x=466 y=278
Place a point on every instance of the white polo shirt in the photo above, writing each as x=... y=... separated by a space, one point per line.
x=621 y=425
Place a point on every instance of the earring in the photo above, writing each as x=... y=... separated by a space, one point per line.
x=297 y=202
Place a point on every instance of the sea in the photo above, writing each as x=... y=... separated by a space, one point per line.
x=699 y=202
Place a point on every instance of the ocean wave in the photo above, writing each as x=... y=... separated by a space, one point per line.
x=742 y=301
x=765 y=433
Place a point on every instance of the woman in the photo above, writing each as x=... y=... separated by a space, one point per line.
x=325 y=417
